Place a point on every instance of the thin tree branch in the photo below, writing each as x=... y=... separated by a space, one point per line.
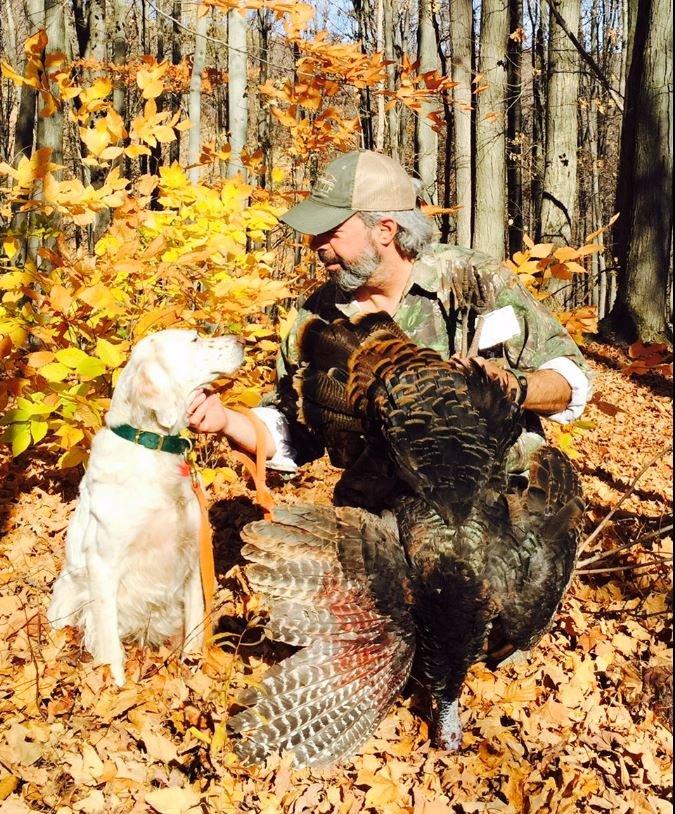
x=633 y=567
x=604 y=554
x=617 y=97
x=629 y=491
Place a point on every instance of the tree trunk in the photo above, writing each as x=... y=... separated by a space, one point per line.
x=643 y=236
x=50 y=129
x=264 y=124
x=195 y=97
x=514 y=163
x=538 y=11
x=490 y=209
x=379 y=46
x=560 y=172
x=394 y=114
x=461 y=38
x=25 y=122
x=365 y=108
x=426 y=138
x=119 y=54
x=237 y=100
x=176 y=12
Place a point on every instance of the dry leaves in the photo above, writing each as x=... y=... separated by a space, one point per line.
x=581 y=725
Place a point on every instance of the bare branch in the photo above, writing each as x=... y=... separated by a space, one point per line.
x=617 y=98
x=643 y=539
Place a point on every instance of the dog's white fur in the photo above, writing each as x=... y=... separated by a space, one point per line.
x=132 y=546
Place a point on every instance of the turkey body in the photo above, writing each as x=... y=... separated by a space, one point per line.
x=453 y=569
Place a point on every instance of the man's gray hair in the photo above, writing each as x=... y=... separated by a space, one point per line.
x=415 y=231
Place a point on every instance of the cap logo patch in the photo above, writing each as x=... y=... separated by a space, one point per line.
x=324 y=183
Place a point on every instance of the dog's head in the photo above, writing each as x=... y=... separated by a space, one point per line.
x=164 y=372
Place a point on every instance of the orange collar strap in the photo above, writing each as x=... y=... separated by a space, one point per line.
x=256 y=469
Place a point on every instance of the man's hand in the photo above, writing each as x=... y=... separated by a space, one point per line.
x=548 y=392
x=206 y=413
x=495 y=371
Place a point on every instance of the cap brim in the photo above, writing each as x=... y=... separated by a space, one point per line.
x=311 y=218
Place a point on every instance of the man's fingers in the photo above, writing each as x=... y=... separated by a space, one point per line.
x=199 y=398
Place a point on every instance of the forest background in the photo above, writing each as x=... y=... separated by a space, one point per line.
x=147 y=149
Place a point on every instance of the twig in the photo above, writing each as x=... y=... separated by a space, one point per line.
x=604 y=554
x=633 y=567
x=629 y=491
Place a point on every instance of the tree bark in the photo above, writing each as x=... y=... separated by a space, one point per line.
x=394 y=114
x=176 y=12
x=379 y=45
x=560 y=171
x=461 y=37
x=514 y=163
x=644 y=229
x=24 y=132
x=426 y=138
x=237 y=99
x=50 y=129
x=119 y=54
x=490 y=209
x=195 y=97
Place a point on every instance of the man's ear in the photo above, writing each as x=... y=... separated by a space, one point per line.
x=385 y=230
x=151 y=390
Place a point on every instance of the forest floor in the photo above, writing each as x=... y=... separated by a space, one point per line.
x=583 y=725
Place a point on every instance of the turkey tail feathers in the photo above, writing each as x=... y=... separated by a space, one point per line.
x=334 y=579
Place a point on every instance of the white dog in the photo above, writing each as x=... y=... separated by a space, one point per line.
x=132 y=547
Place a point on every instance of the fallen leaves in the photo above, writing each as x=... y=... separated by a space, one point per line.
x=580 y=725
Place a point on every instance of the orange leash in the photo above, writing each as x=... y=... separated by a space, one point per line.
x=207 y=566
x=256 y=469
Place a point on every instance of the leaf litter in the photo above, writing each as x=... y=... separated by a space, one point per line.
x=583 y=724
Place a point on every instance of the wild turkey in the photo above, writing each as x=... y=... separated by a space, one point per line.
x=457 y=571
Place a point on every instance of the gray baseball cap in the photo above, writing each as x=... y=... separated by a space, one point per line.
x=359 y=181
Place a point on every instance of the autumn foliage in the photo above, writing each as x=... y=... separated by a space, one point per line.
x=94 y=259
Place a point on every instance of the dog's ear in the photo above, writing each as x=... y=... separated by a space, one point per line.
x=152 y=389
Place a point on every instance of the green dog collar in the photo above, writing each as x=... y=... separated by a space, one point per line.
x=152 y=440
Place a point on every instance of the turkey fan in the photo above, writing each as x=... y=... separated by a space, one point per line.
x=456 y=569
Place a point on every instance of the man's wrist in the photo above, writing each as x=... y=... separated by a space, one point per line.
x=518 y=386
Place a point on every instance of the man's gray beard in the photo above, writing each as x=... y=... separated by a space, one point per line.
x=357 y=273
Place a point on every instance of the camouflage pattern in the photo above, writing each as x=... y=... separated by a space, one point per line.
x=449 y=288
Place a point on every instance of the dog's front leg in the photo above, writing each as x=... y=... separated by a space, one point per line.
x=101 y=630
x=193 y=615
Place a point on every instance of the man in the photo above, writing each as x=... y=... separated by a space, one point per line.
x=376 y=246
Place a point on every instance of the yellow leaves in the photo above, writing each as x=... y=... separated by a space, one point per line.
x=91 y=96
x=96 y=138
x=174 y=801
x=152 y=126
x=149 y=80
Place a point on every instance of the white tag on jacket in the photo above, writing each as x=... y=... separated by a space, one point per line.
x=497 y=326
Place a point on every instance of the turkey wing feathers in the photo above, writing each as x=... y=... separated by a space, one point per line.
x=532 y=560
x=335 y=581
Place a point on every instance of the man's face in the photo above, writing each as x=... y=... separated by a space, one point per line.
x=348 y=253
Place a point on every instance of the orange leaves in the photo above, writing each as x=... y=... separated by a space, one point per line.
x=537 y=263
x=580 y=321
x=648 y=357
